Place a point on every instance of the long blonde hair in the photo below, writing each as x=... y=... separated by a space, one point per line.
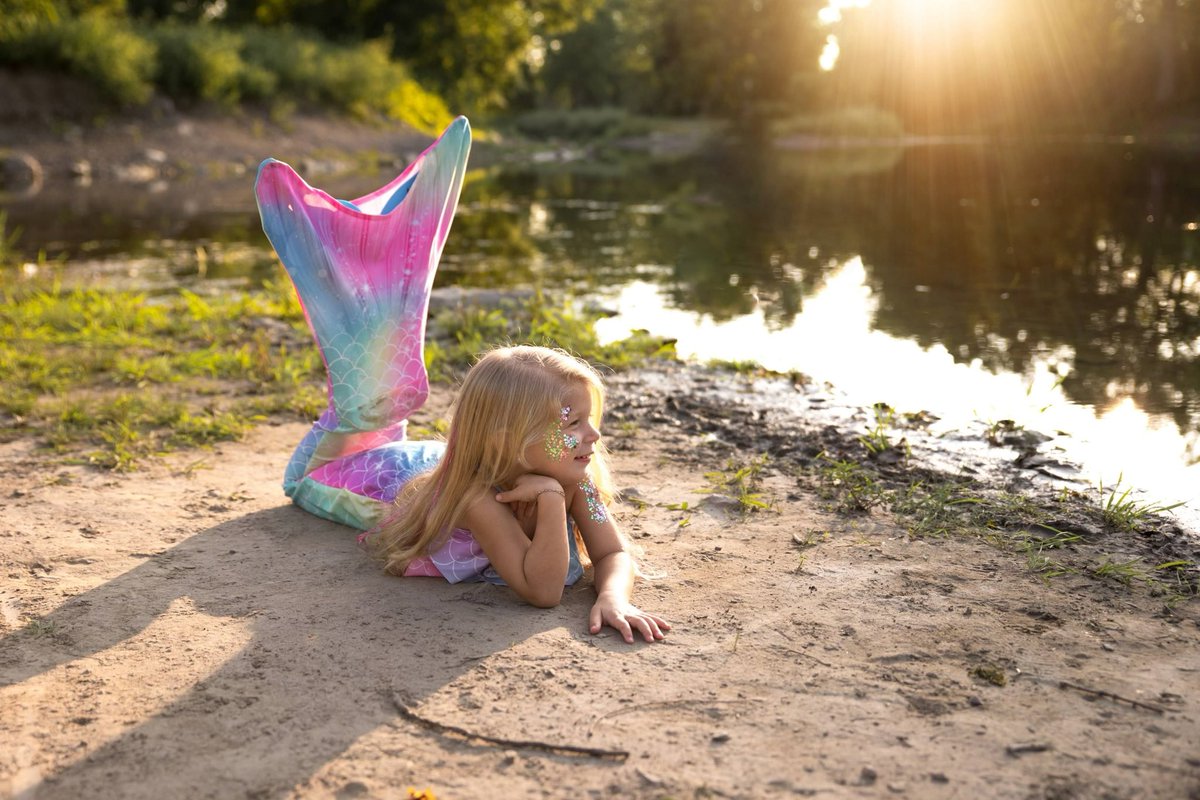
x=505 y=404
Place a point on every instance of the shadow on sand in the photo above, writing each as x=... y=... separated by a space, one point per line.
x=326 y=641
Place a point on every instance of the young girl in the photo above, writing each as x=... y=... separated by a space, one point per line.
x=521 y=481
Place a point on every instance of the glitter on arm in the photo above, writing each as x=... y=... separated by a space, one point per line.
x=596 y=510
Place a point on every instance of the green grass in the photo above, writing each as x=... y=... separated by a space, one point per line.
x=458 y=336
x=935 y=505
x=742 y=482
x=111 y=378
x=877 y=439
x=38 y=628
x=1126 y=513
x=849 y=485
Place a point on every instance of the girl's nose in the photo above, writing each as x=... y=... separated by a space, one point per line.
x=590 y=434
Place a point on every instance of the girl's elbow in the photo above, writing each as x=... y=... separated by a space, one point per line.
x=544 y=597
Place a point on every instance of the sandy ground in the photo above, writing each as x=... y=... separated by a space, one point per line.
x=183 y=632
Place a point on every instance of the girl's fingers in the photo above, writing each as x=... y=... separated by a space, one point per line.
x=649 y=630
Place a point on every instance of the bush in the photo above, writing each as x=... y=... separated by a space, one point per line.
x=280 y=66
x=293 y=60
x=109 y=53
x=199 y=62
x=410 y=103
x=359 y=79
x=575 y=125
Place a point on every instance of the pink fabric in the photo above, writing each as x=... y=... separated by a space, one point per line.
x=459 y=558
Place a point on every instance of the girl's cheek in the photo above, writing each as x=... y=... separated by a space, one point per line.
x=558 y=444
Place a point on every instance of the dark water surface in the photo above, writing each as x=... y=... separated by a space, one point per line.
x=1058 y=285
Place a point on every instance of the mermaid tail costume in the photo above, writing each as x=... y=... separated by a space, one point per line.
x=363 y=270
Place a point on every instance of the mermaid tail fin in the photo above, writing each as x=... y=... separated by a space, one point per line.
x=363 y=271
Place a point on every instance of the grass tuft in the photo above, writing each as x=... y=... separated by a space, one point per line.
x=1126 y=513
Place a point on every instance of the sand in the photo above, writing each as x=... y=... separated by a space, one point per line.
x=182 y=631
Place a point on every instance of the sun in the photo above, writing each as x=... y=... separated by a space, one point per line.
x=919 y=16
x=928 y=28
x=946 y=19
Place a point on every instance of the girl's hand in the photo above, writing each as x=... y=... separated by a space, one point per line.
x=626 y=618
x=523 y=498
x=528 y=487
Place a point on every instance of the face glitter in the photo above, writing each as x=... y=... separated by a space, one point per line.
x=596 y=510
x=557 y=443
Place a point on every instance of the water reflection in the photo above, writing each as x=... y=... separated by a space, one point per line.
x=834 y=339
x=1081 y=259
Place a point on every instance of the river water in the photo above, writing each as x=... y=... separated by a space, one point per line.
x=1055 y=285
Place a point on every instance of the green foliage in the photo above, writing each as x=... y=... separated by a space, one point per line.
x=1126 y=513
x=112 y=377
x=876 y=440
x=580 y=125
x=201 y=62
x=852 y=487
x=935 y=509
x=20 y=18
x=861 y=122
x=359 y=79
x=8 y=240
x=462 y=334
x=206 y=62
x=103 y=49
x=741 y=481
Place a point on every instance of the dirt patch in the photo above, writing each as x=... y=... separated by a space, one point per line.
x=182 y=631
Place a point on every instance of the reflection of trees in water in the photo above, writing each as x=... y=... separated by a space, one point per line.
x=1043 y=250
x=1002 y=255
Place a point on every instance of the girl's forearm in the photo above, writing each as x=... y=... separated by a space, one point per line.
x=546 y=560
x=614 y=575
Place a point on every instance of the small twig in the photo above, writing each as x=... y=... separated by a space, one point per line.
x=1111 y=696
x=658 y=705
x=546 y=747
x=791 y=652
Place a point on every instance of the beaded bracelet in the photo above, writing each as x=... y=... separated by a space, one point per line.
x=558 y=492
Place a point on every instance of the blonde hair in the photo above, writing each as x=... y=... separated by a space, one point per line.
x=505 y=404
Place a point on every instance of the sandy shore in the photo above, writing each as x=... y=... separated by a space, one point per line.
x=183 y=632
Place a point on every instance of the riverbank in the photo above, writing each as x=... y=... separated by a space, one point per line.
x=851 y=617
x=182 y=630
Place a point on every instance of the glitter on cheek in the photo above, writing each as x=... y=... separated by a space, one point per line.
x=556 y=442
x=596 y=510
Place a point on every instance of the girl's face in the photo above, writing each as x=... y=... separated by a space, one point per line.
x=566 y=445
